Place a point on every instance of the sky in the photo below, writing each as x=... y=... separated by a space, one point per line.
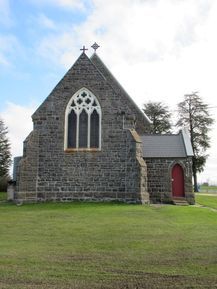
x=159 y=50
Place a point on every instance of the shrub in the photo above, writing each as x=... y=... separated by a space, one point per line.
x=4 y=183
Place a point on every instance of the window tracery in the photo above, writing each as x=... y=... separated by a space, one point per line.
x=83 y=121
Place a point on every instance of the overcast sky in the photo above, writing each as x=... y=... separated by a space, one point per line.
x=158 y=50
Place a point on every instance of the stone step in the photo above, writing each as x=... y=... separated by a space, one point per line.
x=180 y=202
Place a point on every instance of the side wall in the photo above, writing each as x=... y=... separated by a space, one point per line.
x=160 y=180
x=27 y=170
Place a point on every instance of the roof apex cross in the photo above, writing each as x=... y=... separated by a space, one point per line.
x=95 y=46
x=83 y=49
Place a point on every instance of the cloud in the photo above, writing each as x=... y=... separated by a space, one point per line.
x=133 y=31
x=210 y=172
x=18 y=120
x=9 y=47
x=65 y=4
x=70 y=4
x=58 y=50
x=3 y=60
x=5 y=13
x=45 y=22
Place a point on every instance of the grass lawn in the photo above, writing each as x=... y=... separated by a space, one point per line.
x=113 y=246
x=3 y=196
x=208 y=189
x=207 y=201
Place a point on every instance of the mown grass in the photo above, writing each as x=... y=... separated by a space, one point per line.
x=207 y=201
x=80 y=245
x=3 y=196
x=208 y=189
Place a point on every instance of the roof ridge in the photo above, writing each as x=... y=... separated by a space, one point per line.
x=120 y=87
x=82 y=57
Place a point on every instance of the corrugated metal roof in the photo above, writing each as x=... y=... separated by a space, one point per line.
x=187 y=142
x=164 y=146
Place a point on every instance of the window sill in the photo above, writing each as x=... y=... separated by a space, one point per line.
x=82 y=150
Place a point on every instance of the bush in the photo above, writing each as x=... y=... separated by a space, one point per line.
x=4 y=184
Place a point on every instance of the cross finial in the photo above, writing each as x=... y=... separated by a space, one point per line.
x=95 y=46
x=83 y=49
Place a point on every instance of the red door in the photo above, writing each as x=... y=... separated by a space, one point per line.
x=178 y=181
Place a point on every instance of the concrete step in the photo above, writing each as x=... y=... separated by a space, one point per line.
x=180 y=202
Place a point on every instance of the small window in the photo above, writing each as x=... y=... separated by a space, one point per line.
x=83 y=121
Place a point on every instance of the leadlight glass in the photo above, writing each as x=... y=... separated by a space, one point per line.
x=83 y=129
x=83 y=121
x=72 y=127
x=94 y=130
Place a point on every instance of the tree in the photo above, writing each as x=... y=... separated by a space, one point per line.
x=194 y=115
x=160 y=116
x=5 y=155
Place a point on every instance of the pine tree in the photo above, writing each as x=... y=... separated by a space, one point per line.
x=5 y=155
x=160 y=116
x=194 y=115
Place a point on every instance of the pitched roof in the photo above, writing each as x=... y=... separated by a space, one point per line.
x=91 y=67
x=166 y=146
x=69 y=76
x=95 y=59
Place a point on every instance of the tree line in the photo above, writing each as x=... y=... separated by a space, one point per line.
x=5 y=156
x=193 y=114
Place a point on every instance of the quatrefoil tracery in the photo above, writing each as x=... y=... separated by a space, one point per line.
x=85 y=100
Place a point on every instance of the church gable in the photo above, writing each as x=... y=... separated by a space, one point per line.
x=82 y=74
x=92 y=123
x=141 y=120
x=86 y=73
x=84 y=146
x=85 y=143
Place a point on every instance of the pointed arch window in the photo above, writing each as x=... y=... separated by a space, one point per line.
x=83 y=121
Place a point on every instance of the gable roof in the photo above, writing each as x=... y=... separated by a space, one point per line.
x=166 y=146
x=187 y=142
x=91 y=68
x=81 y=65
x=116 y=85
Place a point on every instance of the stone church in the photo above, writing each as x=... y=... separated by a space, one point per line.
x=89 y=142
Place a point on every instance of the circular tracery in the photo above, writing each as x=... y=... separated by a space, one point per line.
x=84 y=100
x=83 y=121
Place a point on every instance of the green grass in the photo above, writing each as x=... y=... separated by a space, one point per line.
x=208 y=189
x=3 y=196
x=80 y=245
x=207 y=201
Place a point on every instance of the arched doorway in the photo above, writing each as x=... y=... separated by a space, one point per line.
x=178 y=190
